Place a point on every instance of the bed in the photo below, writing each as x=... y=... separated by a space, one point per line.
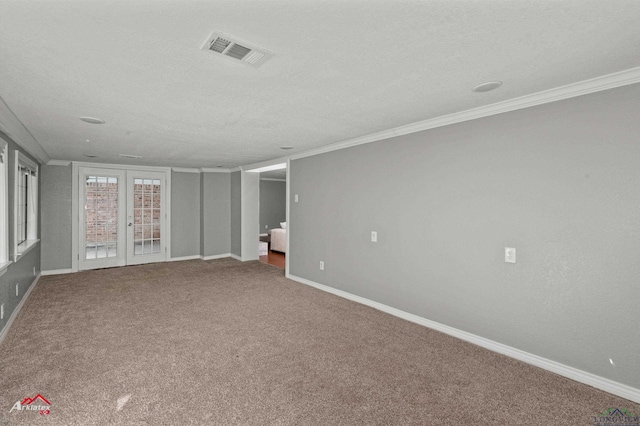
x=279 y=239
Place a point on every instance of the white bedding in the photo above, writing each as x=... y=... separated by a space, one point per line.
x=279 y=240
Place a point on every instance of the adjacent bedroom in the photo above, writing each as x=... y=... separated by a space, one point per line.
x=273 y=218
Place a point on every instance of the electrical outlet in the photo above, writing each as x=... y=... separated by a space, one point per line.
x=266 y=227
x=17 y=289
x=295 y=198
x=510 y=255
x=2 y=311
x=321 y=265
x=374 y=237
x=34 y=271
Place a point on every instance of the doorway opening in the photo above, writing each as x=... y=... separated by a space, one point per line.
x=272 y=231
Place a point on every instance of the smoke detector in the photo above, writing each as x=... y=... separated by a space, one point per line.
x=225 y=45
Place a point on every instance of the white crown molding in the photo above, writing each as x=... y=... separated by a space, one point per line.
x=572 y=373
x=185 y=170
x=58 y=163
x=235 y=169
x=13 y=127
x=121 y=166
x=606 y=82
x=262 y=164
x=214 y=170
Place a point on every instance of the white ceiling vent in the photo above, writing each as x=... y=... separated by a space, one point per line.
x=233 y=48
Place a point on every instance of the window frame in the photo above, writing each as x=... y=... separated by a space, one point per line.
x=4 y=206
x=23 y=162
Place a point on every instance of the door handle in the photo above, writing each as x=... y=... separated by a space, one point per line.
x=130 y=224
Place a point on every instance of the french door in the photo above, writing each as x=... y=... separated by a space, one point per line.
x=145 y=217
x=121 y=217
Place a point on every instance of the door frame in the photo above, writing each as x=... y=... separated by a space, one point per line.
x=75 y=212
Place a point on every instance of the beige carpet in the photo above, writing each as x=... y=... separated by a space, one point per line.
x=225 y=342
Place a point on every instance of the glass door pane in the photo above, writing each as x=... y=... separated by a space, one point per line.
x=147 y=200
x=102 y=211
x=101 y=217
x=146 y=217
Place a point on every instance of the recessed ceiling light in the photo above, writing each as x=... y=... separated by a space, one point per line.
x=286 y=147
x=88 y=140
x=489 y=85
x=92 y=120
x=90 y=156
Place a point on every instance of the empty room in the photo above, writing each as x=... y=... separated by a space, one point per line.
x=319 y=212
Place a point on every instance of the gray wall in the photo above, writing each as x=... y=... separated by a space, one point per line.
x=559 y=182
x=56 y=216
x=22 y=271
x=236 y=214
x=185 y=214
x=273 y=204
x=216 y=213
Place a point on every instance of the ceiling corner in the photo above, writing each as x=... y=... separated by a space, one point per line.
x=13 y=127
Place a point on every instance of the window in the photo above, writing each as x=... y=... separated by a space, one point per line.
x=25 y=205
x=4 y=207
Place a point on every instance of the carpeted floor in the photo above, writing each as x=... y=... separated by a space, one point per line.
x=225 y=342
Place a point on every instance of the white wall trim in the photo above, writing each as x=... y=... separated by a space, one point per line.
x=288 y=217
x=121 y=166
x=217 y=256
x=236 y=257
x=57 y=272
x=274 y=180
x=58 y=163
x=181 y=258
x=590 y=379
x=16 y=311
x=185 y=170
x=214 y=170
x=605 y=82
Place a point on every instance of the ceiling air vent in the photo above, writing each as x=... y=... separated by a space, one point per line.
x=244 y=52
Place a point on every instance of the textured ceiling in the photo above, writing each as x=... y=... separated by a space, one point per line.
x=341 y=69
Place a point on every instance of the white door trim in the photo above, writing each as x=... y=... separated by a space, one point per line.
x=75 y=176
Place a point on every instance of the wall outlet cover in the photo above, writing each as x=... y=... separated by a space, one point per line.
x=510 y=255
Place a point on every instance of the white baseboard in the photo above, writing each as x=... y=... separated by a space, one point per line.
x=235 y=256
x=180 y=259
x=217 y=256
x=598 y=382
x=57 y=271
x=15 y=312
